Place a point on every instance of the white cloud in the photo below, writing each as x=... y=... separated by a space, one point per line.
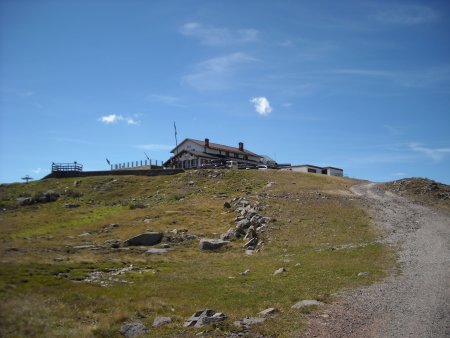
x=166 y=99
x=114 y=118
x=262 y=105
x=39 y=171
x=155 y=147
x=406 y=14
x=435 y=154
x=217 y=73
x=216 y=36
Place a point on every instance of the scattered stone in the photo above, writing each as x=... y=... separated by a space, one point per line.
x=212 y=244
x=71 y=206
x=249 y=252
x=157 y=251
x=246 y=272
x=269 y=311
x=247 y=322
x=279 y=271
x=84 y=234
x=133 y=329
x=251 y=243
x=165 y=246
x=227 y=205
x=191 y=182
x=145 y=239
x=85 y=246
x=203 y=318
x=114 y=243
x=59 y=259
x=363 y=274
x=298 y=264
x=308 y=302
x=230 y=235
x=159 y=321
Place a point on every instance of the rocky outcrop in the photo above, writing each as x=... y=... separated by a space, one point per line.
x=203 y=318
x=212 y=244
x=145 y=239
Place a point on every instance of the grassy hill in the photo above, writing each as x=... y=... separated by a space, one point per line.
x=60 y=275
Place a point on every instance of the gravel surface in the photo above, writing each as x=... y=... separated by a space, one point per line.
x=415 y=302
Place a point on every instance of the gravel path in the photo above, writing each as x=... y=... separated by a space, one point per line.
x=412 y=303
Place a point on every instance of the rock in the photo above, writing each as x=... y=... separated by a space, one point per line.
x=269 y=311
x=279 y=271
x=227 y=205
x=363 y=274
x=230 y=235
x=251 y=243
x=191 y=182
x=243 y=224
x=203 y=318
x=25 y=201
x=307 y=302
x=212 y=244
x=133 y=329
x=246 y=322
x=159 y=321
x=145 y=239
x=85 y=246
x=46 y=197
x=246 y=272
x=114 y=243
x=71 y=206
x=157 y=251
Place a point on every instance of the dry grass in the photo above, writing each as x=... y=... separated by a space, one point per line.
x=313 y=216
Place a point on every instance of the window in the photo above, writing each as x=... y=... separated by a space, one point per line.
x=311 y=170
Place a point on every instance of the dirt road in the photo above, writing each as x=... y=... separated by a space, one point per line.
x=415 y=302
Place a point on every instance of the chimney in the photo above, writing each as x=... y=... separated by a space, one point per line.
x=241 y=146
x=207 y=142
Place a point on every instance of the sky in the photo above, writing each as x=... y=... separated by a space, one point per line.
x=359 y=85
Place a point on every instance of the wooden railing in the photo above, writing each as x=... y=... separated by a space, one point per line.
x=67 y=167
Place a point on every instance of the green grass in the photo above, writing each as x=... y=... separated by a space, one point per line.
x=41 y=286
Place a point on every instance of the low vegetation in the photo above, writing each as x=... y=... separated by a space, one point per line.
x=60 y=277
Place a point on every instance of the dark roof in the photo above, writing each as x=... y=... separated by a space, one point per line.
x=218 y=146
x=334 y=168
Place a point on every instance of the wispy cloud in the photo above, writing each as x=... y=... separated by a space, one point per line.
x=155 y=147
x=40 y=171
x=435 y=154
x=114 y=118
x=417 y=78
x=166 y=99
x=218 y=36
x=406 y=14
x=262 y=105
x=217 y=73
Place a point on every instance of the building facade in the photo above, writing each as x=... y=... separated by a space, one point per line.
x=308 y=168
x=197 y=154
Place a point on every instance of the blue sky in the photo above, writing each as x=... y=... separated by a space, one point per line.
x=361 y=85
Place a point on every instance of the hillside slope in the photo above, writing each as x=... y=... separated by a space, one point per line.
x=66 y=271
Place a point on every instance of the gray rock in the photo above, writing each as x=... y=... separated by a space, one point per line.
x=307 y=302
x=246 y=322
x=269 y=311
x=114 y=243
x=279 y=271
x=159 y=321
x=243 y=224
x=145 y=239
x=71 y=206
x=230 y=235
x=133 y=329
x=25 y=200
x=203 y=318
x=227 y=205
x=157 y=251
x=251 y=243
x=212 y=244
x=363 y=274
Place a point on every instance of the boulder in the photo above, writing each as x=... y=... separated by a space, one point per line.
x=230 y=235
x=212 y=244
x=145 y=239
x=133 y=329
x=246 y=322
x=307 y=302
x=203 y=318
x=269 y=311
x=227 y=205
x=279 y=271
x=159 y=321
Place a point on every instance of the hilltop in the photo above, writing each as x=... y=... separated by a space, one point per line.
x=67 y=271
